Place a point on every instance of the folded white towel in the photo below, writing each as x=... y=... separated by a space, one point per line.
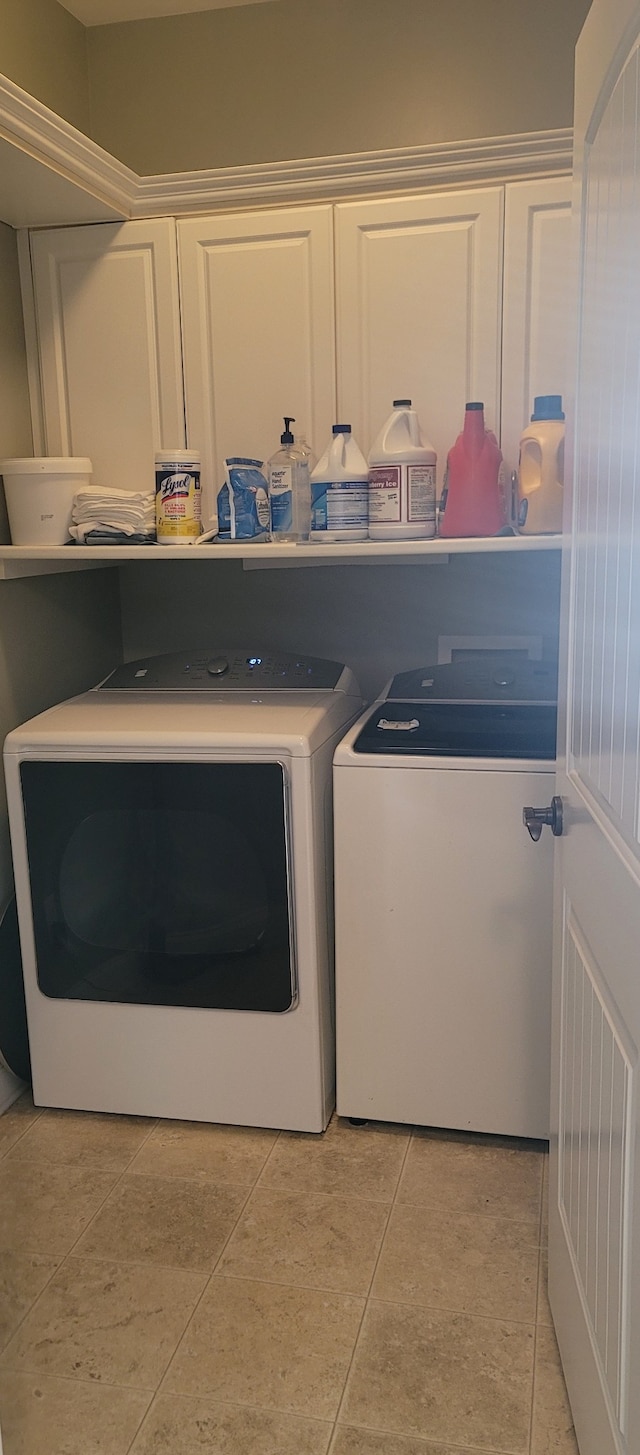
x=133 y=512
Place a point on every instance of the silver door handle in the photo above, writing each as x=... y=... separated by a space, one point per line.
x=534 y=819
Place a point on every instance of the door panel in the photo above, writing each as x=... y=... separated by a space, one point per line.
x=594 y=1212
x=108 y=320
x=418 y=310
x=257 y=318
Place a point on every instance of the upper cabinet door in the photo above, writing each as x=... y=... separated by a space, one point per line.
x=258 y=333
x=418 y=311
x=108 y=324
x=538 y=301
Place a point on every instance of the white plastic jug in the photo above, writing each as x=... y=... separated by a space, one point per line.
x=339 y=491
x=402 y=479
x=541 y=469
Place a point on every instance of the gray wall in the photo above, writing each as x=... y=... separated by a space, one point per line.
x=379 y=619
x=305 y=78
x=43 y=49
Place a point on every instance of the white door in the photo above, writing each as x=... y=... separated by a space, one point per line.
x=595 y=1166
x=537 y=321
x=419 y=284
x=108 y=327
x=258 y=333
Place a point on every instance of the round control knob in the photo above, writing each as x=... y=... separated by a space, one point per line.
x=217 y=666
x=503 y=677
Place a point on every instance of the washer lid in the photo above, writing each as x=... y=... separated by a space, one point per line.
x=454 y=730
x=484 y=677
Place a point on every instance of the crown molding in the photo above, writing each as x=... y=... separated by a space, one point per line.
x=452 y=164
x=50 y=173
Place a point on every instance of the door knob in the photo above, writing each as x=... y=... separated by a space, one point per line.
x=534 y=819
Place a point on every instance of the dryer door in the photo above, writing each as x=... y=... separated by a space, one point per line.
x=161 y=883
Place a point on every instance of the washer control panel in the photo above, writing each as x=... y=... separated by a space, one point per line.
x=221 y=670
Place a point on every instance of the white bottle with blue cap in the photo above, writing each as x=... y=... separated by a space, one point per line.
x=340 y=491
x=541 y=469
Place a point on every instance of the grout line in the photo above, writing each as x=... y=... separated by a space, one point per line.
x=368 y=1296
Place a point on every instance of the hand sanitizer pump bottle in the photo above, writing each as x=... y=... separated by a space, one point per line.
x=289 y=493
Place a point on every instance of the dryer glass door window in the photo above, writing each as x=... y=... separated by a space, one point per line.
x=161 y=883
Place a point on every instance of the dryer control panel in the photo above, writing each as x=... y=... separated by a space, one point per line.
x=219 y=669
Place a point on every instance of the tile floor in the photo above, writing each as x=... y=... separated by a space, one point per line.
x=180 y=1289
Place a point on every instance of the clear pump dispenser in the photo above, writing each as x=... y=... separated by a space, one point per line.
x=289 y=493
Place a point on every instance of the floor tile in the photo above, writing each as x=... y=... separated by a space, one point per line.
x=457 y=1261
x=177 y=1425
x=107 y=1322
x=44 y=1209
x=307 y=1238
x=164 y=1220
x=198 y=1150
x=448 y=1377
x=473 y=1176
x=266 y=1345
x=16 y=1120
x=552 y=1431
x=22 y=1277
x=351 y=1161
x=85 y=1139
x=348 y=1441
x=47 y=1416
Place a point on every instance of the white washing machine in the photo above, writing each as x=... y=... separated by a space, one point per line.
x=444 y=902
x=172 y=840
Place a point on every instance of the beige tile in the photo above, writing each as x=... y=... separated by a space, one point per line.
x=46 y=1416
x=44 y=1209
x=16 y=1120
x=263 y=1344
x=307 y=1238
x=467 y=1263
x=199 y=1150
x=350 y=1161
x=22 y=1277
x=84 y=1139
x=474 y=1176
x=552 y=1432
x=180 y=1426
x=442 y=1376
x=544 y=1315
x=348 y=1441
x=64 y=1417
x=106 y=1322
x=165 y=1221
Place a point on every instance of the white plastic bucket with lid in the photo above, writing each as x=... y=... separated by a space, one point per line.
x=39 y=492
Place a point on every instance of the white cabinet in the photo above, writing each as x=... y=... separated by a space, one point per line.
x=419 y=286
x=538 y=328
x=258 y=332
x=420 y=309
x=108 y=328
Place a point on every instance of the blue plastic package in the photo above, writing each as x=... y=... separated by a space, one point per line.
x=248 y=499
x=224 y=512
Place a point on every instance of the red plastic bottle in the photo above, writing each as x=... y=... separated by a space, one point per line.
x=475 y=504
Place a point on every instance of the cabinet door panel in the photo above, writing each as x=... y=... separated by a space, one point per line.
x=538 y=274
x=418 y=309
x=257 y=314
x=108 y=323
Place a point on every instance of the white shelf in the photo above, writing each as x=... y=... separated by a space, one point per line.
x=40 y=560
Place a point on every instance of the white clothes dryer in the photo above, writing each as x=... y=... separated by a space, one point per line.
x=172 y=840
x=444 y=903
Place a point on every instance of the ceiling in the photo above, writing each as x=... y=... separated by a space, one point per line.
x=106 y=12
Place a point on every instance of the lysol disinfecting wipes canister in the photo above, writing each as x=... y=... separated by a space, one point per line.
x=178 y=497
